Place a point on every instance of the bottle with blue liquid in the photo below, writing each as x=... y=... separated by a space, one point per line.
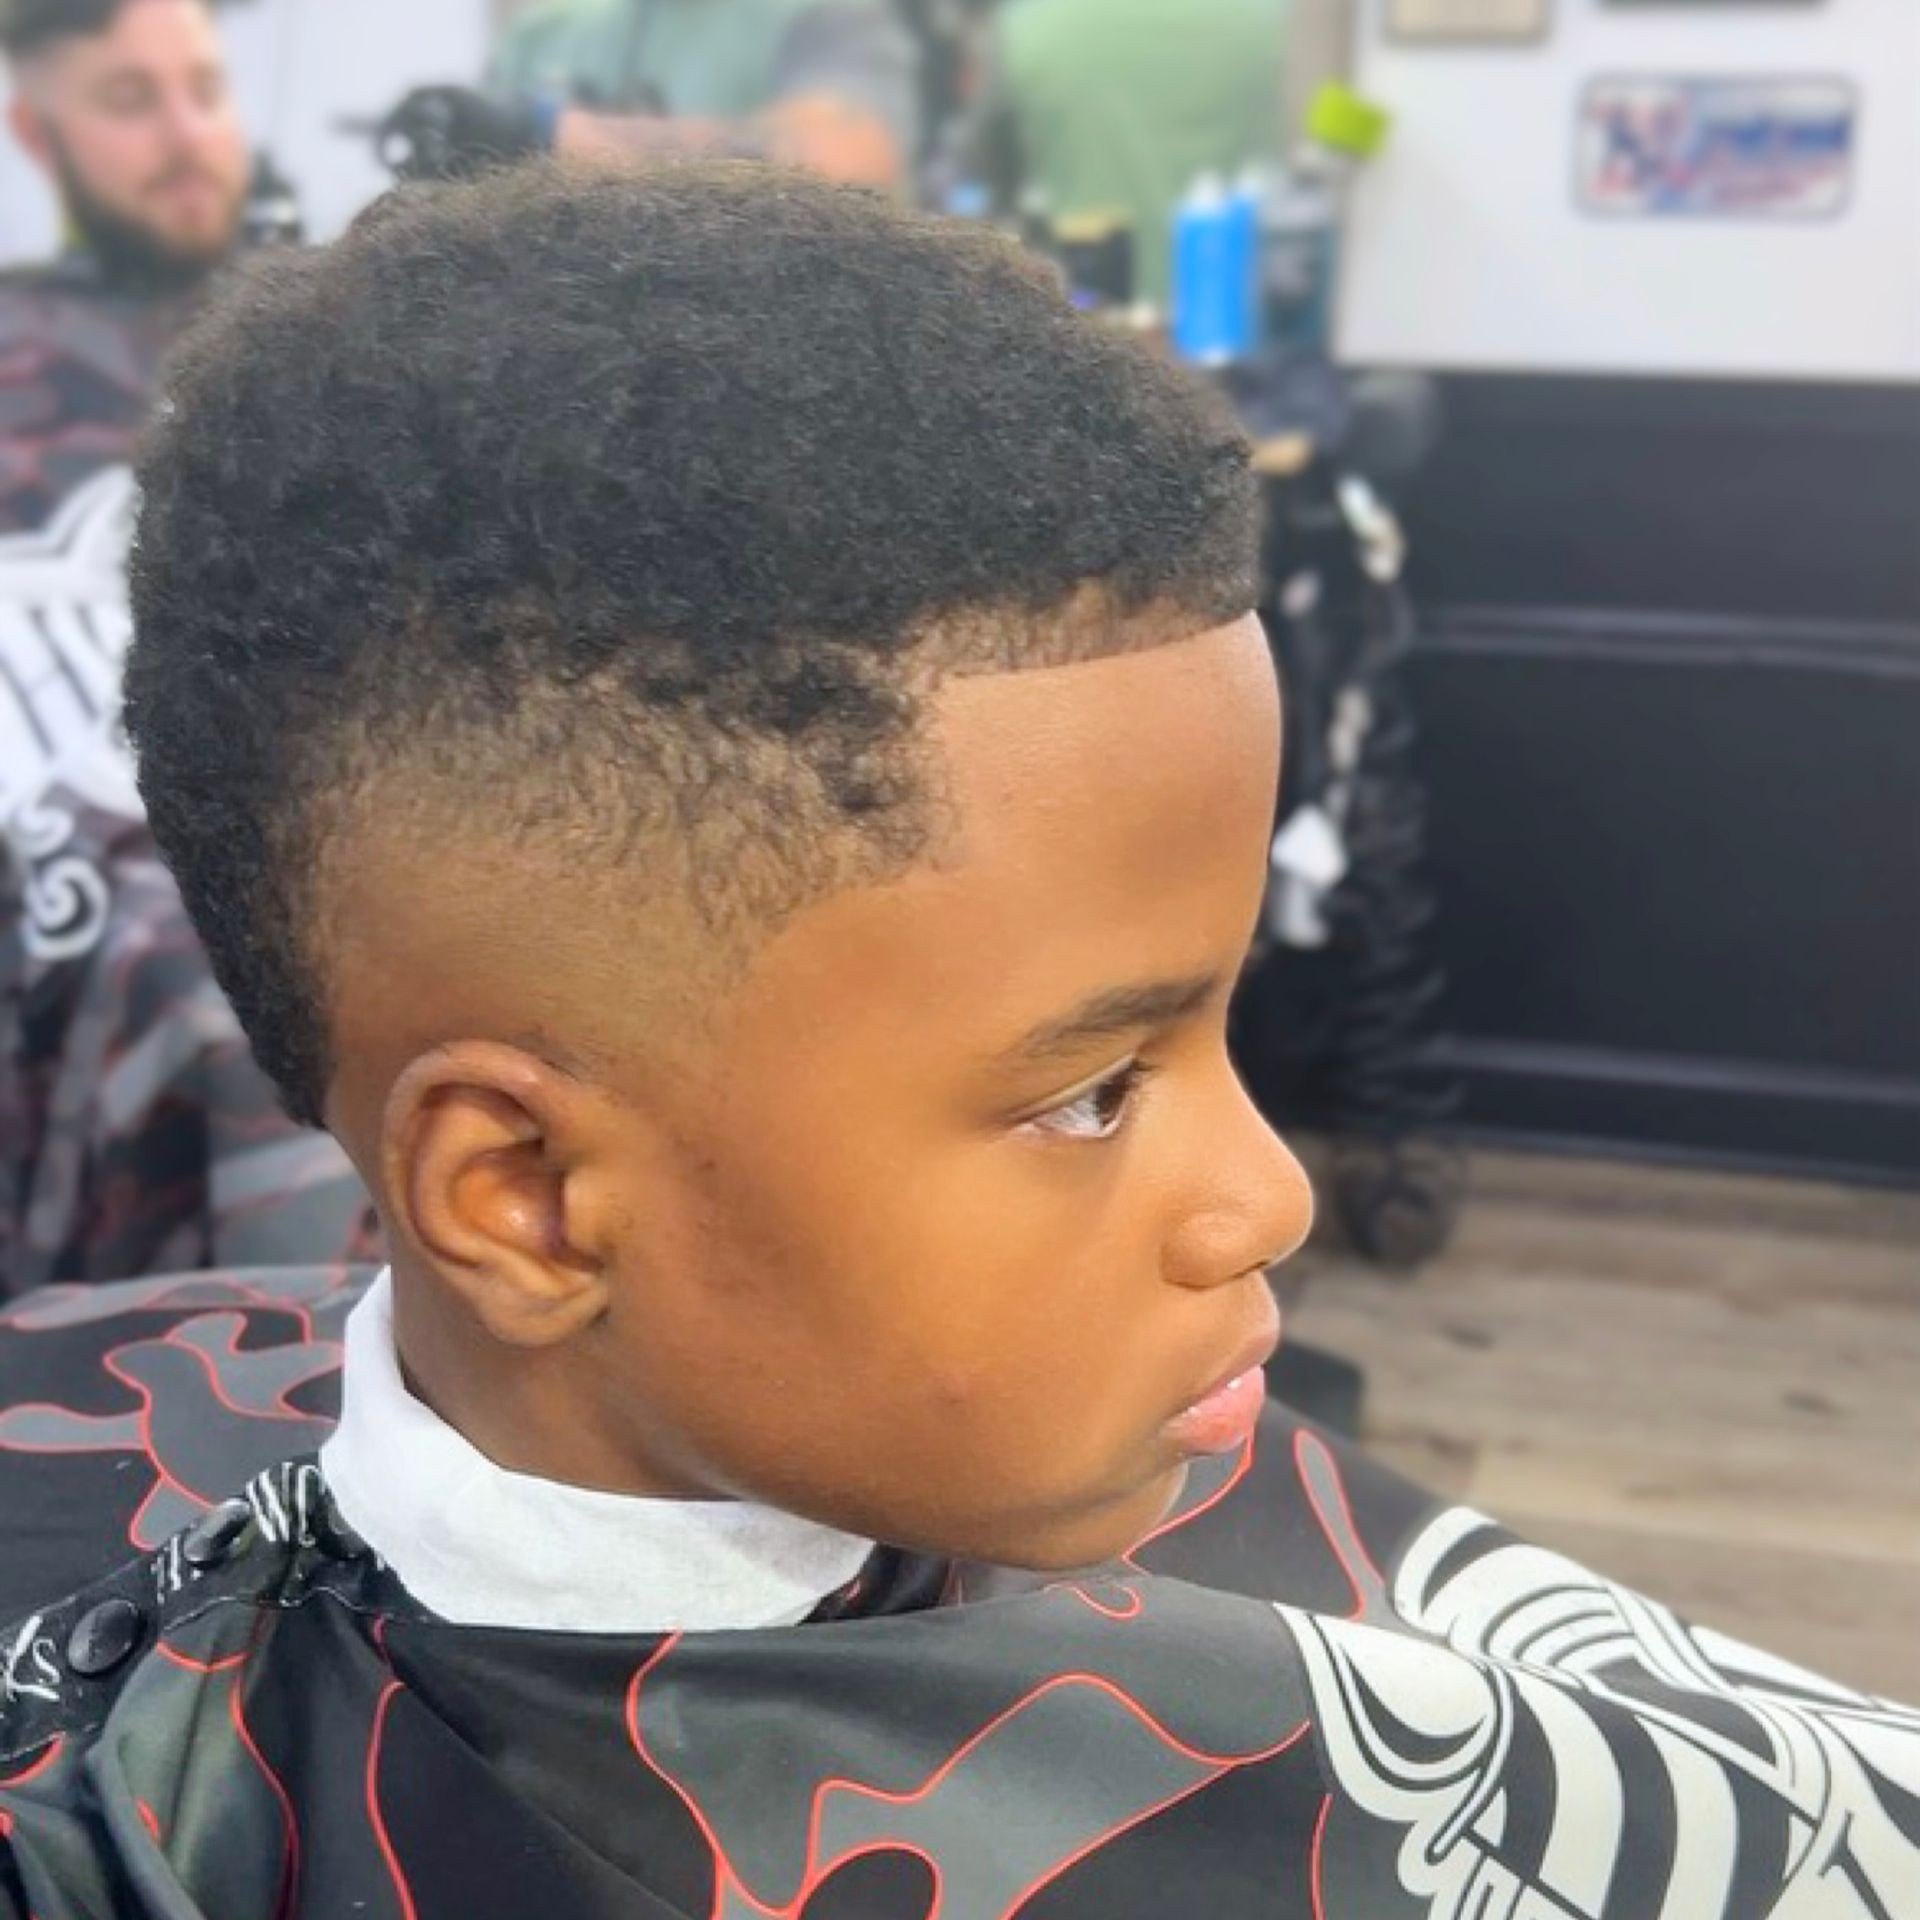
x=1216 y=273
x=1299 y=234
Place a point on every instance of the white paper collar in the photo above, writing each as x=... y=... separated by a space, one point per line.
x=482 y=1546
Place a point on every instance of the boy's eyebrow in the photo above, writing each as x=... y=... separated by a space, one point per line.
x=1118 y=1010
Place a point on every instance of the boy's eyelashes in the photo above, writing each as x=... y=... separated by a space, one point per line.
x=1099 y=1109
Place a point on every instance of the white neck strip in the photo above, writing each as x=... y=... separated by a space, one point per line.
x=487 y=1548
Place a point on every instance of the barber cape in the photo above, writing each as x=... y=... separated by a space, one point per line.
x=136 y=1133
x=1314 y=1693
x=80 y=356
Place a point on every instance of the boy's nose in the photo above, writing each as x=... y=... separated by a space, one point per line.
x=1258 y=1208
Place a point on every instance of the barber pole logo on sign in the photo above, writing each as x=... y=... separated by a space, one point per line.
x=1717 y=149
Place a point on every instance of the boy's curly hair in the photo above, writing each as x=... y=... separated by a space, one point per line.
x=599 y=507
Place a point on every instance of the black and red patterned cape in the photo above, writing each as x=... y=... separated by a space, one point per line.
x=136 y=1133
x=1315 y=1693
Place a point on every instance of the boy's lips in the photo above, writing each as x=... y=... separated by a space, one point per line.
x=1223 y=1416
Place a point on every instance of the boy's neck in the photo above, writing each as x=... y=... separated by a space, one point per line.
x=523 y=1409
x=486 y=1545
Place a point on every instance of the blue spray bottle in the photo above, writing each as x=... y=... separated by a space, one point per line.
x=1216 y=247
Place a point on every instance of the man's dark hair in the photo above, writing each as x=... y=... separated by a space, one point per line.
x=28 y=27
x=612 y=507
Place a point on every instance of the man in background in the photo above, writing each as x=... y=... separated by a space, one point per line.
x=135 y=1130
x=828 y=85
x=125 y=105
x=1112 y=108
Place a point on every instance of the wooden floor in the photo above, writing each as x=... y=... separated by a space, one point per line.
x=1705 y=1386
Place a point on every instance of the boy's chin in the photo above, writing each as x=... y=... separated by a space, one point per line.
x=1099 y=1537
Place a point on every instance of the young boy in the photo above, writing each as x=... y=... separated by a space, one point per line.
x=715 y=733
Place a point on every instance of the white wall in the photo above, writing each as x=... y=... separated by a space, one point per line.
x=1467 y=249
x=298 y=66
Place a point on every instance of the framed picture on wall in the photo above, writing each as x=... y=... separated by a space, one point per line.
x=1660 y=146
x=1467 y=22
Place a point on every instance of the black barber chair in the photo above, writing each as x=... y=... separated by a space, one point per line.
x=1344 y=995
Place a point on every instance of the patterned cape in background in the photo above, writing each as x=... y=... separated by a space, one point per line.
x=1314 y=1694
x=135 y=1132
x=79 y=363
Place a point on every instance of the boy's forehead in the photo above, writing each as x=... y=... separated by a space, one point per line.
x=1109 y=822
x=1108 y=746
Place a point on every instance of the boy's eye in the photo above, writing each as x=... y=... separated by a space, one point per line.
x=1101 y=1111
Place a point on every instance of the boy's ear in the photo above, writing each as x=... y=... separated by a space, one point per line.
x=483 y=1149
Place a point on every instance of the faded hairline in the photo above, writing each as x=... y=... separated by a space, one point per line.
x=640 y=823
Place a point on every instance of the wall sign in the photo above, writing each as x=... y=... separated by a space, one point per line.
x=1466 y=22
x=1718 y=149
